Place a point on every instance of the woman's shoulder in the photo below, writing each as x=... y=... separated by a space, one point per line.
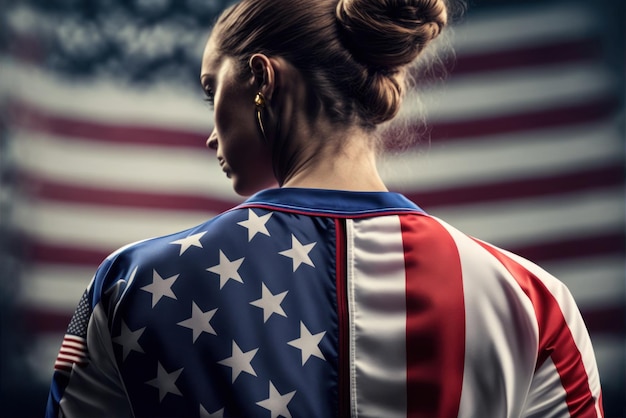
x=485 y=263
x=175 y=249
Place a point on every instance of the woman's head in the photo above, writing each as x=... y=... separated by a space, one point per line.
x=351 y=53
x=328 y=67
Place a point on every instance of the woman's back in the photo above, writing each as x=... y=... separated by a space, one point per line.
x=329 y=303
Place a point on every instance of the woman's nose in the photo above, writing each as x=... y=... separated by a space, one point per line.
x=211 y=142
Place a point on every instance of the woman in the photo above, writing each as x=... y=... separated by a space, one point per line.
x=328 y=296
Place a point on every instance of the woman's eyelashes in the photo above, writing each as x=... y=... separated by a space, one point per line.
x=210 y=96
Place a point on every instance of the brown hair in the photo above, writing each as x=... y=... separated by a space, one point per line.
x=353 y=53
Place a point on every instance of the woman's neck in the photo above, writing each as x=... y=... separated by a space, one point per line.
x=340 y=159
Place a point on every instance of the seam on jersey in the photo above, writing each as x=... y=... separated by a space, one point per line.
x=342 y=311
x=131 y=279
x=351 y=312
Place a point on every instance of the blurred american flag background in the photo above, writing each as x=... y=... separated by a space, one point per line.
x=102 y=143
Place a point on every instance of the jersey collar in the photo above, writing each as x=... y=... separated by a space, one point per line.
x=332 y=202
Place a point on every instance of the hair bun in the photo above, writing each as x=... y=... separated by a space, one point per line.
x=389 y=33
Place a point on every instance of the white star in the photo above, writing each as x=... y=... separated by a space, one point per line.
x=160 y=287
x=308 y=343
x=240 y=361
x=256 y=224
x=270 y=303
x=129 y=340
x=227 y=269
x=199 y=321
x=277 y=403
x=205 y=414
x=299 y=253
x=165 y=382
x=186 y=243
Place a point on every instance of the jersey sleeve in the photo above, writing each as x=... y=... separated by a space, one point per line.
x=86 y=381
x=527 y=349
x=565 y=381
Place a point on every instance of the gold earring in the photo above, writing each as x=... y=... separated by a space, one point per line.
x=259 y=102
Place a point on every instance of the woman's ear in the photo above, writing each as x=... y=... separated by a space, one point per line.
x=264 y=74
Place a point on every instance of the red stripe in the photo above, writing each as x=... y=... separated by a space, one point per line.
x=610 y=243
x=609 y=320
x=64 y=357
x=47 y=189
x=521 y=188
x=70 y=346
x=575 y=114
x=559 y=52
x=74 y=339
x=62 y=367
x=555 y=339
x=47 y=253
x=72 y=354
x=34 y=118
x=435 y=319
x=38 y=320
x=72 y=357
x=548 y=53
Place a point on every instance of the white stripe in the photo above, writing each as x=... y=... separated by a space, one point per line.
x=107 y=100
x=54 y=287
x=127 y=167
x=73 y=344
x=501 y=335
x=595 y=282
x=68 y=357
x=513 y=27
x=74 y=338
x=377 y=307
x=68 y=351
x=99 y=228
x=491 y=94
x=528 y=221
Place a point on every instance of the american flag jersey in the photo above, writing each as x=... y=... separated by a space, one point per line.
x=319 y=303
